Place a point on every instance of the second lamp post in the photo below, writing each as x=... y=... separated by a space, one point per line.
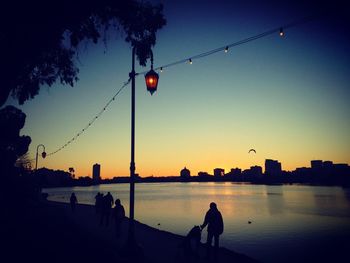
x=43 y=154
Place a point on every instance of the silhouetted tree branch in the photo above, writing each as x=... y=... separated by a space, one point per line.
x=12 y=144
x=39 y=39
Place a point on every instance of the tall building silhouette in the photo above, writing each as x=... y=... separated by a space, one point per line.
x=96 y=169
x=273 y=167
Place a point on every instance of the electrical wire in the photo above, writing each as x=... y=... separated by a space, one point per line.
x=225 y=48
x=92 y=120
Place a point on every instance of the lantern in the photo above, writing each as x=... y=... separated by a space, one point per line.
x=151 y=81
x=43 y=154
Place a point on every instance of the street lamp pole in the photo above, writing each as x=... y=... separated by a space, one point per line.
x=131 y=237
x=151 y=79
x=43 y=154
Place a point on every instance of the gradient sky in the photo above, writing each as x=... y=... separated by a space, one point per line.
x=288 y=97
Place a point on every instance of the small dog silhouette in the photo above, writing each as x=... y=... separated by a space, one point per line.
x=192 y=241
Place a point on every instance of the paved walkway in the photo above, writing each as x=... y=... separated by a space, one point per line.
x=157 y=245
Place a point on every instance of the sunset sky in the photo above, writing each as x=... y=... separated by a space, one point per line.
x=288 y=97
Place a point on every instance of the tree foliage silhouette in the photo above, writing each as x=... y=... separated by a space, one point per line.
x=39 y=39
x=71 y=171
x=24 y=162
x=12 y=144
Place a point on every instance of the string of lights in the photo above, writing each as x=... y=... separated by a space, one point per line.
x=280 y=30
x=92 y=120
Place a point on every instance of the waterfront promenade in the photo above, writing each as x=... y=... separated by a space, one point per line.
x=157 y=245
x=50 y=232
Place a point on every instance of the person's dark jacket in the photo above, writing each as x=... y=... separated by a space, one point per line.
x=213 y=219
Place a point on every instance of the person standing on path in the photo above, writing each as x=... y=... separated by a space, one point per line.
x=119 y=215
x=213 y=219
x=107 y=202
x=73 y=201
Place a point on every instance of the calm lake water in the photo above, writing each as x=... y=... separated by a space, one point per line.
x=289 y=223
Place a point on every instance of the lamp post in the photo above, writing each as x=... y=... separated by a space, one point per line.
x=131 y=234
x=151 y=79
x=43 y=154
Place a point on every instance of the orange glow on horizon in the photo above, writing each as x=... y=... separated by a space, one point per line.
x=110 y=170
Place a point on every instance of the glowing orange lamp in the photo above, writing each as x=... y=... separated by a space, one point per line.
x=151 y=78
x=151 y=81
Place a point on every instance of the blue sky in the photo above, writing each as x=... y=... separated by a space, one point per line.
x=286 y=97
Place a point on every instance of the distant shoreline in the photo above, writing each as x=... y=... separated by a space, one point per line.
x=108 y=181
x=319 y=174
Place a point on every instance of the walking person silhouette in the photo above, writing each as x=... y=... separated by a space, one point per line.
x=73 y=201
x=106 y=207
x=119 y=215
x=98 y=202
x=213 y=219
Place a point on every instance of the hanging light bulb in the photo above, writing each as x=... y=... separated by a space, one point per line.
x=190 y=61
x=161 y=69
x=281 y=32
x=226 y=49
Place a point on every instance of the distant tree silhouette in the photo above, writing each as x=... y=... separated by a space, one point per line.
x=12 y=144
x=48 y=177
x=71 y=171
x=24 y=162
x=39 y=39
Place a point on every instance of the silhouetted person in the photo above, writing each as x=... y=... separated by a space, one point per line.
x=104 y=210
x=213 y=219
x=106 y=206
x=73 y=201
x=119 y=215
x=98 y=202
x=110 y=199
